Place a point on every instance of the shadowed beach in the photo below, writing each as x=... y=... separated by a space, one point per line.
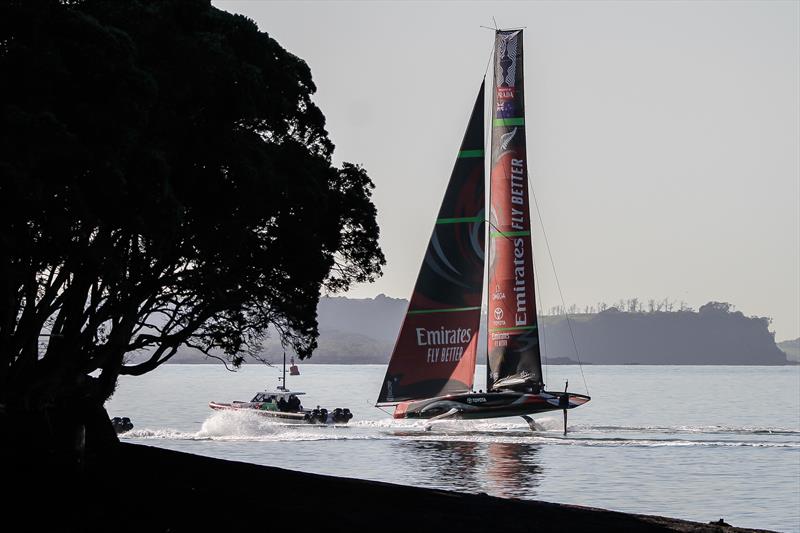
x=143 y=488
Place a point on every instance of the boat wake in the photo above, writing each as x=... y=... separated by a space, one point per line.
x=746 y=430
x=510 y=431
x=243 y=426
x=158 y=434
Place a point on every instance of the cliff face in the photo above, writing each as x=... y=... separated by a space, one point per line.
x=712 y=336
x=379 y=318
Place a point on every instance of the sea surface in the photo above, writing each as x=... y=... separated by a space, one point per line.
x=693 y=442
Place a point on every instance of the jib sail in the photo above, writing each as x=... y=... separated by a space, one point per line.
x=436 y=349
x=514 y=360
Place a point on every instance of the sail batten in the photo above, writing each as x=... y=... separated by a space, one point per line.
x=513 y=328
x=459 y=220
x=436 y=349
x=518 y=121
x=514 y=360
x=510 y=233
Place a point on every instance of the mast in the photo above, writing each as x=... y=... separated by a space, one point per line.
x=514 y=360
x=283 y=379
x=436 y=348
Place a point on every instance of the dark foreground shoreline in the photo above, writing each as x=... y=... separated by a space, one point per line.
x=141 y=488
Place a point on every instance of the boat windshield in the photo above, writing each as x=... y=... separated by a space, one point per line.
x=270 y=396
x=263 y=397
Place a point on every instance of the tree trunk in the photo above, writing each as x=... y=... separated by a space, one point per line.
x=59 y=439
x=45 y=458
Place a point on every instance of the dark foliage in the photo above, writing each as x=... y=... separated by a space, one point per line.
x=165 y=181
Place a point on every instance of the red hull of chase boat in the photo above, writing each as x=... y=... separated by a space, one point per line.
x=249 y=407
x=284 y=405
x=264 y=404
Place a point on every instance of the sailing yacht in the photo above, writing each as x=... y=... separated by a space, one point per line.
x=431 y=372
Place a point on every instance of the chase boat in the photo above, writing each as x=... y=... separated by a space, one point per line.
x=283 y=405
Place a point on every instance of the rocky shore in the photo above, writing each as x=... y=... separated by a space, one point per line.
x=140 y=488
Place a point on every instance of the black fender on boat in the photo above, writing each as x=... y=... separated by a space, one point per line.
x=121 y=424
x=341 y=415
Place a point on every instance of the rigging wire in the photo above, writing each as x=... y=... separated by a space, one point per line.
x=558 y=283
x=487 y=170
x=543 y=351
x=494 y=29
x=486 y=71
x=382 y=409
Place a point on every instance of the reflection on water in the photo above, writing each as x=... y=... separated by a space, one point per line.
x=514 y=470
x=448 y=465
x=509 y=470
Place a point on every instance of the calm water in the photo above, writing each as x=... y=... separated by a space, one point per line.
x=700 y=443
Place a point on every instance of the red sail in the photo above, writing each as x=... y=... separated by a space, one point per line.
x=436 y=349
x=513 y=337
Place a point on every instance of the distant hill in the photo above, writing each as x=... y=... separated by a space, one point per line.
x=714 y=335
x=364 y=331
x=378 y=317
x=791 y=349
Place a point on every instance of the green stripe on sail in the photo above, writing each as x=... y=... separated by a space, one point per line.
x=451 y=310
x=510 y=233
x=512 y=329
x=470 y=153
x=519 y=121
x=457 y=220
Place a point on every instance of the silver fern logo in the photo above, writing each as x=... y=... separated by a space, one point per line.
x=505 y=139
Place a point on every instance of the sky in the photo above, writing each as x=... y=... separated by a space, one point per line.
x=663 y=137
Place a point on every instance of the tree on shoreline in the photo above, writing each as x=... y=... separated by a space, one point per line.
x=165 y=181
